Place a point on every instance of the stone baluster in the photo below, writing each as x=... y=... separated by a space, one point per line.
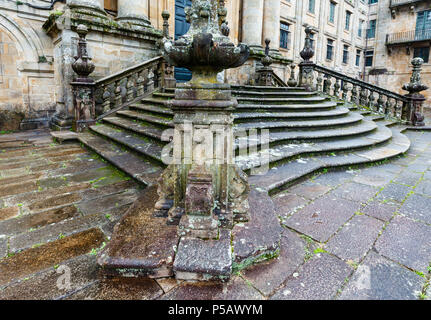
x=140 y=85
x=292 y=81
x=106 y=97
x=168 y=75
x=319 y=81
x=151 y=76
x=380 y=103
x=371 y=100
x=130 y=84
x=388 y=106
x=117 y=92
x=346 y=88
x=337 y=87
x=327 y=85
x=363 y=97
x=354 y=96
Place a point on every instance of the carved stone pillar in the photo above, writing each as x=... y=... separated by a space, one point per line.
x=306 y=67
x=271 y=23
x=252 y=22
x=134 y=12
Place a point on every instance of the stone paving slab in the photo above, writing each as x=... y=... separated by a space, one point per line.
x=236 y=289
x=378 y=278
x=424 y=188
x=318 y=279
x=355 y=192
x=309 y=190
x=355 y=239
x=417 y=207
x=50 y=284
x=379 y=210
x=323 y=217
x=394 y=192
x=287 y=203
x=334 y=178
x=406 y=242
x=277 y=270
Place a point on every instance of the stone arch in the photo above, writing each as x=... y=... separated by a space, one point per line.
x=30 y=49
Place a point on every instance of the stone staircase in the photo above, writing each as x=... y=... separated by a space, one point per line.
x=307 y=132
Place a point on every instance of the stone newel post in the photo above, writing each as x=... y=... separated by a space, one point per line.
x=416 y=99
x=169 y=80
x=264 y=74
x=83 y=85
x=306 y=66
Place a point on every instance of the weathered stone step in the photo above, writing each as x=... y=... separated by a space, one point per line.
x=282 y=101
x=326 y=105
x=146 y=130
x=291 y=115
x=135 y=166
x=285 y=151
x=160 y=121
x=164 y=95
x=266 y=88
x=280 y=176
x=155 y=101
x=320 y=123
x=140 y=145
x=273 y=94
x=153 y=109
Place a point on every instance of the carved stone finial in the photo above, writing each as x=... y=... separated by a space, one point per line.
x=415 y=86
x=292 y=81
x=307 y=53
x=83 y=65
x=267 y=60
x=166 y=15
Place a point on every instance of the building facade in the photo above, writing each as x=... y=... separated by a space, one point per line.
x=367 y=39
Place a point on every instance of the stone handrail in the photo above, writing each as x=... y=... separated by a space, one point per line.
x=278 y=81
x=361 y=93
x=407 y=109
x=125 y=87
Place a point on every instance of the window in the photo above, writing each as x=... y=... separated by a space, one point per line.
x=369 y=55
x=332 y=6
x=361 y=25
x=311 y=6
x=345 y=54
x=111 y=5
x=358 y=57
x=371 y=32
x=330 y=49
x=423 y=25
x=372 y=1
x=423 y=52
x=284 y=35
x=348 y=18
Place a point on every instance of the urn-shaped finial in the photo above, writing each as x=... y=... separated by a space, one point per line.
x=82 y=65
x=307 y=53
x=415 y=86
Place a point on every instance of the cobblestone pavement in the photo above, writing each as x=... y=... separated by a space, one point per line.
x=361 y=233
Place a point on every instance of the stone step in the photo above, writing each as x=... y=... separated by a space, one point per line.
x=291 y=115
x=273 y=94
x=140 y=169
x=152 y=109
x=164 y=95
x=141 y=145
x=282 y=101
x=133 y=125
x=159 y=121
x=267 y=89
x=326 y=105
x=283 y=152
x=287 y=173
x=310 y=124
x=155 y=101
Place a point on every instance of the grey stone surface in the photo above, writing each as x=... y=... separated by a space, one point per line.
x=323 y=217
x=408 y=178
x=356 y=237
x=406 y=242
x=276 y=271
x=378 y=278
x=355 y=192
x=236 y=289
x=334 y=178
x=309 y=190
x=197 y=259
x=372 y=180
x=261 y=235
x=287 y=203
x=394 y=192
x=417 y=207
x=424 y=187
x=318 y=279
x=379 y=210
